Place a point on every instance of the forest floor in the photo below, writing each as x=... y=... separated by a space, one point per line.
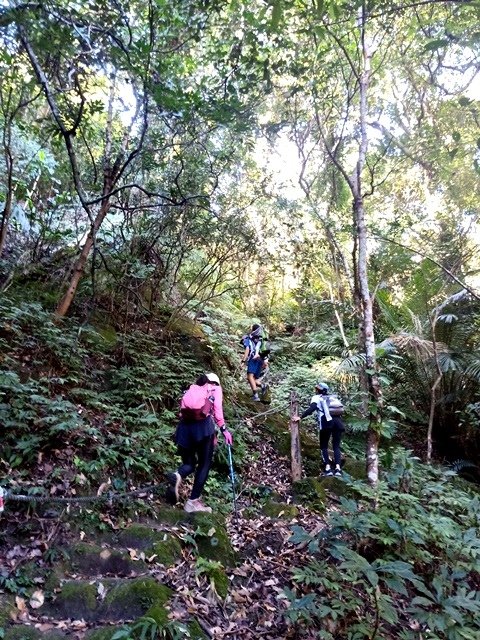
x=253 y=604
x=255 y=601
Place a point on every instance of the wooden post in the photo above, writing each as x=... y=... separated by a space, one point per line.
x=295 y=439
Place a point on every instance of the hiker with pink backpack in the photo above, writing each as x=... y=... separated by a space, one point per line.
x=200 y=409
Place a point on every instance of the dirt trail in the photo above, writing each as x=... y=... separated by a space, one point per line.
x=254 y=603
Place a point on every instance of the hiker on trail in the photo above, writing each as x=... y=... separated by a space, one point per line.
x=201 y=407
x=329 y=409
x=256 y=358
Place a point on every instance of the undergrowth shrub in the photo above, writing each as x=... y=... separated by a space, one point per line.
x=406 y=569
x=64 y=388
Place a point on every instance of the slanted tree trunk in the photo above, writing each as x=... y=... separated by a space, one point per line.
x=115 y=162
x=79 y=268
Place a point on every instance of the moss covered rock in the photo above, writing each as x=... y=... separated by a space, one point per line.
x=22 y=632
x=212 y=539
x=220 y=581
x=134 y=598
x=280 y=510
x=168 y=550
x=144 y=537
x=92 y=560
x=102 y=634
x=310 y=491
x=196 y=631
x=339 y=487
x=165 y=546
x=7 y=606
x=158 y=613
x=170 y=515
x=138 y=536
x=184 y=326
x=77 y=599
x=355 y=468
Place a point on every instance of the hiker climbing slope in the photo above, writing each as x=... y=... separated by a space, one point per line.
x=328 y=409
x=201 y=407
x=256 y=357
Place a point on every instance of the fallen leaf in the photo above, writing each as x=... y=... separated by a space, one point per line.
x=20 y=602
x=37 y=599
x=103 y=487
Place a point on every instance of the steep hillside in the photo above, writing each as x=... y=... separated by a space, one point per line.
x=90 y=549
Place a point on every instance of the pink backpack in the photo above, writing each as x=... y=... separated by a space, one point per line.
x=197 y=402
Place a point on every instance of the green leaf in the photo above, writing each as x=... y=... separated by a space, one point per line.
x=277 y=13
x=433 y=45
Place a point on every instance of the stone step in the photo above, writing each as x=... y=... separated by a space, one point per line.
x=109 y=600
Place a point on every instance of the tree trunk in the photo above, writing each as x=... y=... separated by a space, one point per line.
x=367 y=324
x=295 y=439
x=79 y=269
x=7 y=209
x=433 y=392
x=6 y=213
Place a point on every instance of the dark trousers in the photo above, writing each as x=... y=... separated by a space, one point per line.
x=197 y=458
x=336 y=435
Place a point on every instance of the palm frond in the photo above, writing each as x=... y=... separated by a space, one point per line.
x=455 y=298
x=412 y=344
x=448 y=318
x=352 y=364
x=472 y=370
x=322 y=347
x=460 y=465
x=447 y=362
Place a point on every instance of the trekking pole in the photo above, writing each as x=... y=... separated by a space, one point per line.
x=232 y=478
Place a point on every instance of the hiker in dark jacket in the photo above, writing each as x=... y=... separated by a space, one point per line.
x=330 y=426
x=195 y=439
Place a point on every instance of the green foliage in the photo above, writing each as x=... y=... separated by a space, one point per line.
x=419 y=545
x=121 y=417
x=147 y=628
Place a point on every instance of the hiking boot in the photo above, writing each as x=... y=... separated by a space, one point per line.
x=338 y=472
x=328 y=470
x=196 y=506
x=174 y=482
x=256 y=397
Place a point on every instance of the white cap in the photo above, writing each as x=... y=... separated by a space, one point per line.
x=212 y=377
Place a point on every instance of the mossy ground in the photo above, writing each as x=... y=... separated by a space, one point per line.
x=77 y=599
x=102 y=634
x=134 y=598
x=93 y=560
x=196 y=631
x=280 y=510
x=168 y=550
x=212 y=539
x=310 y=491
